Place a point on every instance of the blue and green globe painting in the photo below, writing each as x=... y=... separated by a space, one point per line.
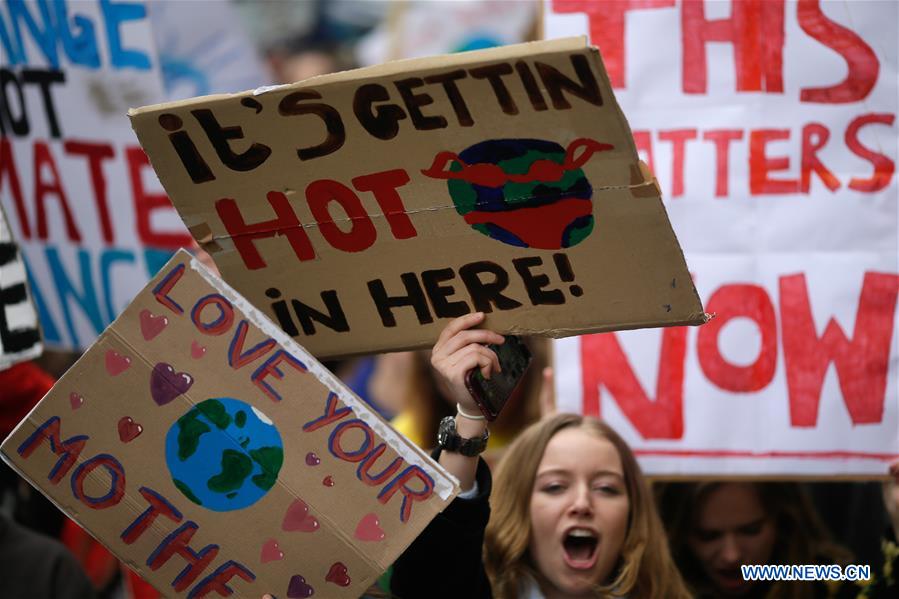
x=224 y=454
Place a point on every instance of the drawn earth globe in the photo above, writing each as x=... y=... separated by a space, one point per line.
x=224 y=454
x=542 y=214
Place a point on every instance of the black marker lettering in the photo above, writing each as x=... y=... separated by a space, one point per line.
x=586 y=89
x=220 y=137
x=187 y=151
x=486 y=294
x=438 y=293
x=415 y=298
x=448 y=80
x=19 y=125
x=530 y=86
x=535 y=284
x=494 y=73
x=291 y=105
x=415 y=101
x=383 y=123
x=335 y=319
x=44 y=78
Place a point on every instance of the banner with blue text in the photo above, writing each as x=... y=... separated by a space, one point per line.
x=92 y=220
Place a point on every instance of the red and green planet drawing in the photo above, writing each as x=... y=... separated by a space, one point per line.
x=529 y=193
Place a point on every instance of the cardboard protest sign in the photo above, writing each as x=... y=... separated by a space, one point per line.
x=364 y=209
x=91 y=218
x=20 y=336
x=210 y=452
x=772 y=129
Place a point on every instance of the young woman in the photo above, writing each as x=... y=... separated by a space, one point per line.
x=572 y=515
x=717 y=527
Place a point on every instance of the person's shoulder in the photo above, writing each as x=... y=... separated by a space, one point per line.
x=42 y=564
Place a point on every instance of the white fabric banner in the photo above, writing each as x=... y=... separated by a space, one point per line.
x=92 y=219
x=771 y=126
x=89 y=214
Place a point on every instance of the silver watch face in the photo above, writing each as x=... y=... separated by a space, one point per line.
x=449 y=439
x=446 y=432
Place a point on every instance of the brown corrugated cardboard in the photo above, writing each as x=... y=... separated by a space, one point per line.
x=208 y=450
x=363 y=210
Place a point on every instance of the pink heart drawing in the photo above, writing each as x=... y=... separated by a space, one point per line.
x=299 y=518
x=151 y=324
x=369 y=528
x=271 y=552
x=129 y=429
x=166 y=384
x=116 y=363
x=298 y=589
x=312 y=459
x=338 y=575
x=197 y=351
x=75 y=400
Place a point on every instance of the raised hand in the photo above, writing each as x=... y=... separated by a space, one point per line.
x=459 y=349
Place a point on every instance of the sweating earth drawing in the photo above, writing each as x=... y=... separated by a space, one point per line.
x=522 y=192
x=224 y=454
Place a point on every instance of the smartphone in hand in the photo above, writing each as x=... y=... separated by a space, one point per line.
x=493 y=393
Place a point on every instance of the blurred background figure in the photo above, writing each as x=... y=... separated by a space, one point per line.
x=300 y=40
x=716 y=527
x=219 y=57
x=33 y=563
x=415 y=28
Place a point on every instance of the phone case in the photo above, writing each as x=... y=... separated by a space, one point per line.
x=492 y=394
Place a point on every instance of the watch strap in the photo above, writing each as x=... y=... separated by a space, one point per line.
x=449 y=440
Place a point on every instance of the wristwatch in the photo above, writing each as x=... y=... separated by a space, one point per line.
x=449 y=439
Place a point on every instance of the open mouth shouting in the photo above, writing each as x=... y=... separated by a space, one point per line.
x=579 y=547
x=731 y=579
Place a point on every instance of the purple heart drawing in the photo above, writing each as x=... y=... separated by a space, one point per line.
x=166 y=384
x=297 y=588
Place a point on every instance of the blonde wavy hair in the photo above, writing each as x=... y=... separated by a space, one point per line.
x=645 y=569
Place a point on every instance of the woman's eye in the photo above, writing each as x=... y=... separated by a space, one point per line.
x=707 y=536
x=608 y=489
x=553 y=488
x=751 y=529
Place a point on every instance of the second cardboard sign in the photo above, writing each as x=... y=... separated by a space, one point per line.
x=362 y=210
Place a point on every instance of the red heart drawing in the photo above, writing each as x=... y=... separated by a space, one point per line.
x=271 y=552
x=151 y=324
x=166 y=384
x=197 y=351
x=328 y=481
x=299 y=518
x=369 y=528
x=116 y=363
x=337 y=574
x=129 y=429
x=75 y=400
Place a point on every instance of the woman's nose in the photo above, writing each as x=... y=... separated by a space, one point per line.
x=730 y=550
x=581 y=502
